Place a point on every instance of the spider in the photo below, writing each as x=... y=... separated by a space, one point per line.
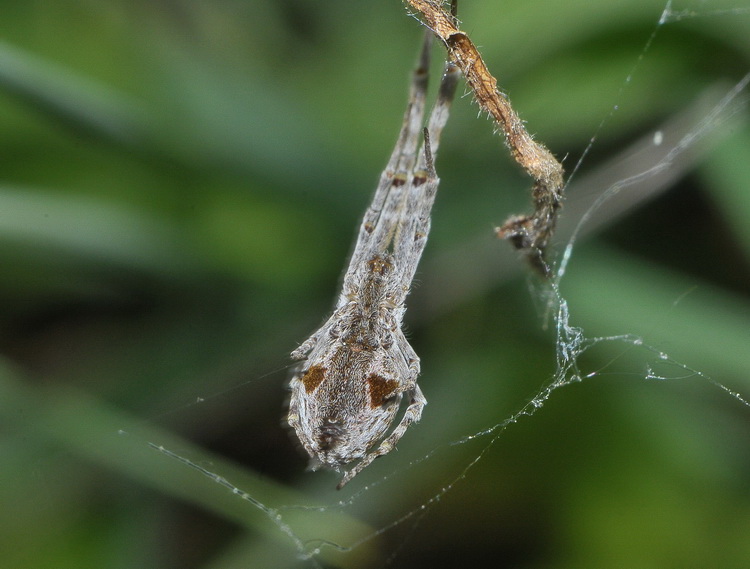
x=358 y=366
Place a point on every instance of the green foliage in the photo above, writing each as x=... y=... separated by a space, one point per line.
x=179 y=186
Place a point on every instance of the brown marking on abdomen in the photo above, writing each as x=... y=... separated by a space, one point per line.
x=313 y=377
x=380 y=389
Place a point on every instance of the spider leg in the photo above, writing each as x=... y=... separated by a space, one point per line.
x=381 y=218
x=424 y=184
x=439 y=115
x=301 y=352
x=411 y=415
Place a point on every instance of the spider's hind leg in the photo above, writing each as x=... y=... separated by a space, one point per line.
x=412 y=415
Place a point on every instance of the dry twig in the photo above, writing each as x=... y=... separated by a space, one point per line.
x=528 y=233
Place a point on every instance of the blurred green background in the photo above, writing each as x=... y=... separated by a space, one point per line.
x=180 y=183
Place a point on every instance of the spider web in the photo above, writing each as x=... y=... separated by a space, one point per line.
x=302 y=526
